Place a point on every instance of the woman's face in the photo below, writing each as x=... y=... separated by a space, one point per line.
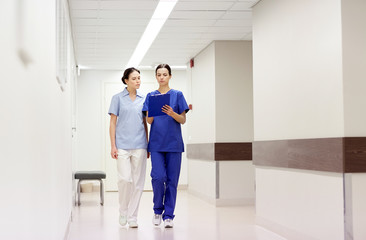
x=133 y=81
x=163 y=77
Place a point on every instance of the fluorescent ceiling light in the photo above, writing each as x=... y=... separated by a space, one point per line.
x=178 y=67
x=157 y=21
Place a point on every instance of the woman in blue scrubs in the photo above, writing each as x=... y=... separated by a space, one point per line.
x=166 y=147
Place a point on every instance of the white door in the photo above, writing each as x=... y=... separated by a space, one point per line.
x=111 y=89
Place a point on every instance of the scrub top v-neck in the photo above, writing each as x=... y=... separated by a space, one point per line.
x=130 y=130
x=165 y=132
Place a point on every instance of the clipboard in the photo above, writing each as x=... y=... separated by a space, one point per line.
x=156 y=102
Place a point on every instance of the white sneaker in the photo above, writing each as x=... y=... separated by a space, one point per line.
x=168 y=223
x=133 y=224
x=122 y=220
x=156 y=219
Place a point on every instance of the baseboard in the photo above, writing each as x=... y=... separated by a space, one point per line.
x=201 y=196
x=223 y=202
x=235 y=202
x=182 y=186
x=282 y=230
x=67 y=231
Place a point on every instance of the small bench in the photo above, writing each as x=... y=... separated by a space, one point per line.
x=90 y=175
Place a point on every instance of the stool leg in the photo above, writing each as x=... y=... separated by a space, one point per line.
x=101 y=192
x=79 y=192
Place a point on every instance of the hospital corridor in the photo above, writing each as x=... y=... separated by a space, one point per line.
x=183 y=119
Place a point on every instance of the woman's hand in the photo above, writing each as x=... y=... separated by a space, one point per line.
x=114 y=153
x=168 y=110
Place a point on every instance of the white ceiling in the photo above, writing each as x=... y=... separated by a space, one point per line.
x=106 y=32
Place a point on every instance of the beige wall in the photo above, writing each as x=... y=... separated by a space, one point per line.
x=354 y=62
x=234 y=91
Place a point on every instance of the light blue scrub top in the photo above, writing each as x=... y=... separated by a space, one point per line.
x=130 y=130
x=165 y=132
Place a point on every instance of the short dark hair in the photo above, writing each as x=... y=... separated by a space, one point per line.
x=127 y=73
x=163 y=65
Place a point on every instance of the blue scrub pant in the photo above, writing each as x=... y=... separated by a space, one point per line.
x=165 y=170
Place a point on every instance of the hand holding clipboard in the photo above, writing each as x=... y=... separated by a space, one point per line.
x=156 y=104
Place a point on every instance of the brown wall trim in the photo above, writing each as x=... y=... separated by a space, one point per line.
x=233 y=151
x=355 y=154
x=343 y=155
x=220 y=151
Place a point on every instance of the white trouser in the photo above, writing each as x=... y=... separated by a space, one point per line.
x=131 y=167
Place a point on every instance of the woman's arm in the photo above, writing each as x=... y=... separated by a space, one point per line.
x=112 y=134
x=149 y=119
x=181 y=118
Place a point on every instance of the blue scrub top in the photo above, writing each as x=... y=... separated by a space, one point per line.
x=165 y=132
x=130 y=129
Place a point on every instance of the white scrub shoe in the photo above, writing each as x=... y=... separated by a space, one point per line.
x=122 y=220
x=156 y=219
x=133 y=224
x=168 y=223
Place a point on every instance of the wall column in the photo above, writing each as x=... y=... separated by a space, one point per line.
x=220 y=126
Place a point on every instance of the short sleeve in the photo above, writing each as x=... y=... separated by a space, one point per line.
x=182 y=104
x=114 y=107
x=145 y=107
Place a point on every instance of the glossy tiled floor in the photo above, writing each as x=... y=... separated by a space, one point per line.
x=195 y=219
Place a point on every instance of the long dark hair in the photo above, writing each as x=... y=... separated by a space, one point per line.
x=127 y=73
x=163 y=65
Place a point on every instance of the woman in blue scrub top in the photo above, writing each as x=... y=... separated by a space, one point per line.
x=128 y=131
x=166 y=147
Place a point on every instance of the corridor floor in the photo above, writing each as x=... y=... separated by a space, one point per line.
x=195 y=219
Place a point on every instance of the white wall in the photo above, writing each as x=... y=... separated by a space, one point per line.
x=201 y=128
x=35 y=130
x=90 y=123
x=299 y=204
x=202 y=179
x=298 y=87
x=357 y=201
x=237 y=183
x=202 y=118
